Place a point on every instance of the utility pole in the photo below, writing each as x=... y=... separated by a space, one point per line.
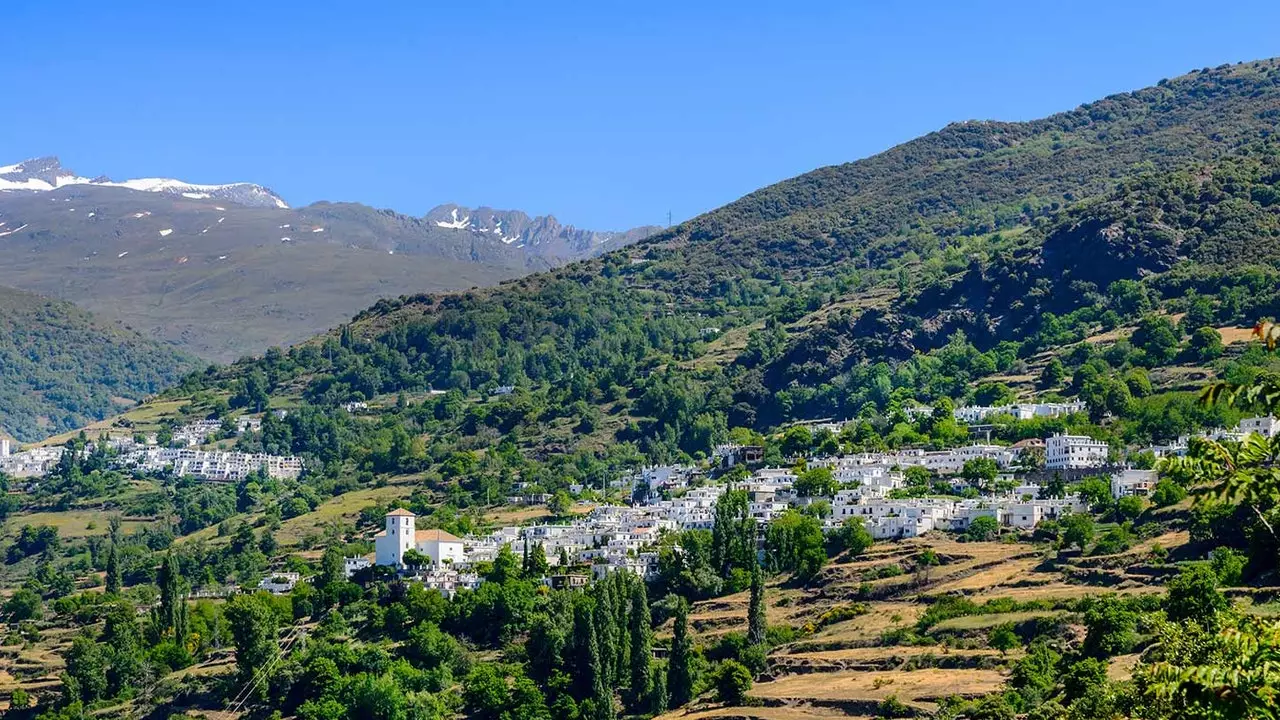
x=668 y=218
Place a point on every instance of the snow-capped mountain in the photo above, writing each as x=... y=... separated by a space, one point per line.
x=47 y=173
x=225 y=270
x=544 y=233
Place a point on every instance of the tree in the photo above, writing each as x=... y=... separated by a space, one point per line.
x=537 y=566
x=1228 y=564
x=641 y=634
x=1053 y=374
x=1129 y=297
x=1157 y=338
x=253 y=631
x=171 y=616
x=113 y=570
x=24 y=604
x=87 y=668
x=980 y=472
x=853 y=537
x=994 y=394
x=1003 y=638
x=733 y=537
x=1167 y=493
x=1130 y=507
x=733 y=682
x=680 y=680
x=796 y=440
x=1230 y=674
x=505 y=566
x=1096 y=491
x=983 y=527
x=560 y=503
x=816 y=482
x=1111 y=624
x=757 y=623
x=1077 y=530
x=794 y=543
x=1194 y=596
x=1205 y=344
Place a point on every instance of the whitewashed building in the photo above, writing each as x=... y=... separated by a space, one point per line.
x=1074 y=452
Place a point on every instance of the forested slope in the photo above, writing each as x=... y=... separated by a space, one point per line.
x=981 y=246
x=61 y=368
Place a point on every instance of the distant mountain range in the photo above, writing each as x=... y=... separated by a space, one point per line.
x=228 y=269
x=47 y=173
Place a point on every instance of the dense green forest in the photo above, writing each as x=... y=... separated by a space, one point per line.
x=61 y=368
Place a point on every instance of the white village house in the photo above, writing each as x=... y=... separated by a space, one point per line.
x=401 y=536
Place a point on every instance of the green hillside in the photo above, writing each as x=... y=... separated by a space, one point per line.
x=960 y=257
x=61 y=368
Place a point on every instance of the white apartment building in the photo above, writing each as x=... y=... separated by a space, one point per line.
x=1072 y=452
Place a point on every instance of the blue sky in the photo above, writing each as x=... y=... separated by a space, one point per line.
x=606 y=114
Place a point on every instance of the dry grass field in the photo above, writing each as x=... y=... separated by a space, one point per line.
x=847 y=668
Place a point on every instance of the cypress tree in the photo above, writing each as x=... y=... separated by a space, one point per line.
x=680 y=668
x=113 y=570
x=641 y=644
x=757 y=624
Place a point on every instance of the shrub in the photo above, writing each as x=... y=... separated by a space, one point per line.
x=1167 y=493
x=733 y=682
x=1228 y=564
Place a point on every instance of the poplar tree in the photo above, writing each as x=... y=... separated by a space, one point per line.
x=113 y=570
x=173 y=606
x=606 y=632
x=680 y=668
x=586 y=650
x=641 y=644
x=757 y=624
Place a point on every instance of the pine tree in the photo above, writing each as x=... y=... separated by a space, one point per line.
x=113 y=570
x=680 y=668
x=757 y=624
x=641 y=644
x=564 y=560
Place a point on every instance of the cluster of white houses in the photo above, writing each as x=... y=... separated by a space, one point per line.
x=675 y=497
x=974 y=414
x=214 y=465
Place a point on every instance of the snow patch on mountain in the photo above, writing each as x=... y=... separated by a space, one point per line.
x=456 y=224
x=44 y=174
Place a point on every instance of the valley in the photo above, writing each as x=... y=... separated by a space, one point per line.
x=982 y=426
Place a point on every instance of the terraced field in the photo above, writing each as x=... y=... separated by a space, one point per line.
x=852 y=668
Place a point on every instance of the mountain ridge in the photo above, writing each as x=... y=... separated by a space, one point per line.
x=227 y=270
